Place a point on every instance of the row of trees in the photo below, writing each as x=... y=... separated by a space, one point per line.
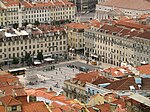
x=28 y=59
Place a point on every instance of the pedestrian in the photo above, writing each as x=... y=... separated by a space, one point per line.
x=56 y=73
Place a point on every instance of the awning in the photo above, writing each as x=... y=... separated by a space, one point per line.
x=45 y=55
x=92 y=55
x=49 y=59
x=144 y=62
x=37 y=63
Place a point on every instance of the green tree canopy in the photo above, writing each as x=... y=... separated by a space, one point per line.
x=27 y=56
x=15 y=60
x=40 y=56
x=37 y=23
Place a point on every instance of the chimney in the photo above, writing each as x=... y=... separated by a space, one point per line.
x=141 y=30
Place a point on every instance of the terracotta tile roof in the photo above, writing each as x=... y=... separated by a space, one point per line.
x=42 y=89
x=101 y=80
x=130 y=24
x=128 y=4
x=56 y=110
x=77 y=106
x=144 y=35
x=9 y=101
x=146 y=83
x=95 y=23
x=34 y=107
x=121 y=102
x=123 y=84
x=110 y=29
x=55 y=104
x=2 y=109
x=77 y=25
x=118 y=71
x=144 y=16
x=47 y=4
x=87 y=77
x=9 y=89
x=102 y=108
x=39 y=93
x=19 y=92
x=66 y=108
x=59 y=98
x=144 y=69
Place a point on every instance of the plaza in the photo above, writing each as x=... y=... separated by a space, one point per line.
x=40 y=77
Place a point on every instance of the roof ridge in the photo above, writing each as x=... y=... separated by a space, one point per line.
x=123 y=83
x=9 y=100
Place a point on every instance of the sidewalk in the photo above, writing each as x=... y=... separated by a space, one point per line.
x=103 y=65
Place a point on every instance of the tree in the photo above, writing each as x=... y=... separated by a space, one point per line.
x=37 y=23
x=15 y=25
x=40 y=56
x=27 y=57
x=15 y=60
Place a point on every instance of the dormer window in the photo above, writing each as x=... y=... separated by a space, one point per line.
x=14 y=108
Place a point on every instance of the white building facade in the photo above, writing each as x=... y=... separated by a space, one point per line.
x=114 y=45
x=42 y=11
x=15 y=43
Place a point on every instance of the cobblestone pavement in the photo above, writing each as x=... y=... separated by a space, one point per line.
x=54 y=78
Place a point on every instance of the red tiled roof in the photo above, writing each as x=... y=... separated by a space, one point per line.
x=95 y=23
x=102 y=108
x=146 y=83
x=42 y=89
x=101 y=80
x=56 y=110
x=66 y=108
x=27 y=4
x=77 y=25
x=39 y=93
x=9 y=89
x=121 y=102
x=19 y=92
x=128 y=4
x=123 y=84
x=144 y=35
x=118 y=71
x=55 y=104
x=59 y=98
x=34 y=107
x=2 y=109
x=134 y=25
x=144 y=69
x=87 y=77
x=144 y=16
x=9 y=100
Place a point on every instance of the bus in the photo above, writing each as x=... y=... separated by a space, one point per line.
x=17 y=71
x=83 y=69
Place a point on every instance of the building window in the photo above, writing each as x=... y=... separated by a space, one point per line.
x=14 y=108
